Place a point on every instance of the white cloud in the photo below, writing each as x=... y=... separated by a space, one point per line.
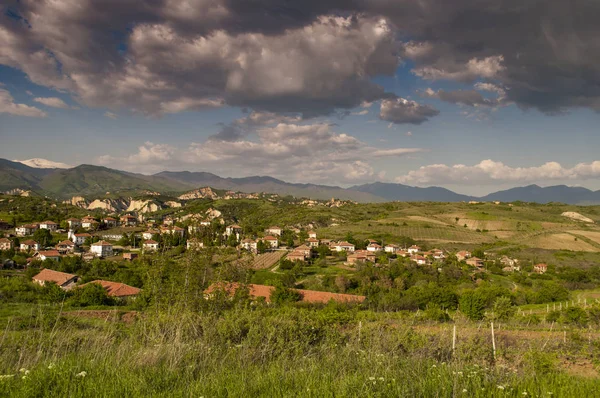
x=110 y=115
x=54 y=102
x=487 y=68
x=489 y=172
x=7 y=105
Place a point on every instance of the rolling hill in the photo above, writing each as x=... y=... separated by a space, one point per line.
x=410 y=194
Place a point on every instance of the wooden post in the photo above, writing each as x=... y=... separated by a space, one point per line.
x=564 y=336
x=359 y=329
x=554 y=307
x=493 y=341
x=547 y=308
x=454 y=340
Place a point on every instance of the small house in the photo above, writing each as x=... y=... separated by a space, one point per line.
x=62 y=279
x=102 y=249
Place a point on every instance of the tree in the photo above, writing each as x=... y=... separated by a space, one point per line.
x=502 y=309
x=91 y=294
x=261 y=246
x=472 y=305
x=284 y=295
x=43 y=237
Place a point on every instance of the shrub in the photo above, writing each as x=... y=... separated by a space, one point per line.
x=91 y=294
x=472 y=305
x=283 y=295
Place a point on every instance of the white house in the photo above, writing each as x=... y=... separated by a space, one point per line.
x=128 y=220
x=194 y=244
x=29 y=245
x=150 y=233
x=233 y=229
x=249 y=245
x=272 y=241
x=150 y=245
x=66 y=246
x=414 y=249
x=25 y=230
x=110 y=222
x=49 y=225
x=88 y=222
x=312 y=242
x=74 y=223
x=48 y=255
x=312 y=234
x=6 y=244
x=274 y=230
x=102 y=249
x=374 y=247
x=344 y=247
x=420 y=260
x=79 y=239
x=172 y=230
x=391 y=248
x=463 y=255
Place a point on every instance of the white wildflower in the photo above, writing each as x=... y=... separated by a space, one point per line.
x=24 y=377
x=500 y=387
x=22 y=370
x=524 y=393
x=464 y=390
x=434 y=366
x=381 y=379
x=51 y=366
x=371 y=378
x=81 y=374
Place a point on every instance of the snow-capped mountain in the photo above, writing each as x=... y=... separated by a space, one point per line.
x=44 y=164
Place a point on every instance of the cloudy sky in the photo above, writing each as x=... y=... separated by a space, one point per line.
x=475 y=96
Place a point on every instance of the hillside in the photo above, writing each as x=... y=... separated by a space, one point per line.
x=407 y=193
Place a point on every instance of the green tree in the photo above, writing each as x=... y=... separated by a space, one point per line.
x=502 y=309
x=472 y=305
x=91 y=294
x=43 y=237
x=284 y=295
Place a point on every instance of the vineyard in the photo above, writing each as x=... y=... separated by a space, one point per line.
x=267 y=260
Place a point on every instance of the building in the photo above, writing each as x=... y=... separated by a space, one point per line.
x=174 y=230
x=420 y=260
x=274 y=230
x=312 y=242
x=6 y=244
x=392 y=248
x=62 y=279
x=271 y=241
x=194 y=244
x=29 y=245
x=168 y=221
x=540 y=268
x=463 y=255
x=414 y=249
x=305 y=250
x=102 y=249
x=26 y=230
x=233 y=230
x=79 y=239
x=88 y=222
x=374 y=247
x=150 y=245
x=49 y=225
x=296 y=256
x=360 y=256
x=150 y=233
x=344 y=247
x=110 y=222
x=475 y=262
x=249 y=244
x=74 y=223
x=438 y=254
x=130 y=256
x=312 y=234
x=116 y=289
x=128 y=220
x=66 y=246
x=47 y=255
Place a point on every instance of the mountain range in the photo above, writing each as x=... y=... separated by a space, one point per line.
x=90 y=181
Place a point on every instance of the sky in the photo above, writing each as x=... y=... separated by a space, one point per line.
x=472 y=96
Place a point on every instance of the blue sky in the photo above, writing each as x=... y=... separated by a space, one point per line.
x=330 y=99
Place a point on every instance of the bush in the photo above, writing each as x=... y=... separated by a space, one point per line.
x=575 y=316
x=472 y=305
x=283 y=295
x=435 y=313
x=89 y=295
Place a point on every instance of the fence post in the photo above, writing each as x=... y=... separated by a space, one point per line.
x=454 y=339
x=493 y=341
x=359 y=329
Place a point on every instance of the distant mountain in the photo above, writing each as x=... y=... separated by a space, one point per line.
x=557 y=193
x=407 y=193
x=38 y=163
x=17 y=175
x=268 y=184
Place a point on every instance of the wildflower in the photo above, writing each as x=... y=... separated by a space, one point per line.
x=22 y=370
x=24 y=377
x=381 y=379
x=464 y=390
x=371 y=378
x=51 y=366
x=460 y=373
x=434 y=366
x=524 y=393
x=500 y=387
x=81 y=374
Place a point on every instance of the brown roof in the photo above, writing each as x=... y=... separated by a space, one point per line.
x=49 y=253
x=110 y=219
x=73 y=219
x=85 y=235
x=5 y=240
x=312 y=240
x=66 y=242
x=102 y=243
x=48 y=222
x=344 y=244
x=48 y=275
x=117 y=289
x=269 y=237
x=29 y=242
x=308 y=296
x=151 y=242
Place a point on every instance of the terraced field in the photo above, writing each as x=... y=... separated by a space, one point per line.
x=267 y=260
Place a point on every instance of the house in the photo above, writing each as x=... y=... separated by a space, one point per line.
x=463 y=255
x=110 y=222
x=6 y=244
x=312 y=242
x=233 y=230
x=62 y=279
x=249 y=245
x=29 y=245
x=414 y=249
x=102 y=249
x=130 y=256
x=509 y=262
x=296 y=256
x=475 y=262
x=256 y=291
x=173 y=230
x=360 y=256
x=150 y=245
x=116 y=289
x=344 y=247
x=274 y=230
x=540 y=268
x=49 y=225
x=150 y=233
x=74 y=223
x=79 y=239
x=194 y=244
x=271 y=241
x=402 y=253
x=128 y=220
x=374 y=247
x=88 y=223
x=305 y=250
x=312 y=234
x=47 y=255
x=168 y=221
x=420 y=260
x=437 y=254
x=66 y=246
x=25 y=230
x=392 y=248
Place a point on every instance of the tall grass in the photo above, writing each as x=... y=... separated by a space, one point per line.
x=252 y=350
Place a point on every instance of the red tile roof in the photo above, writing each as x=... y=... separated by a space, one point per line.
x=29 y=242
x=102 y=243
x=49 y=253
x=308 y=296
x=117 y=289
x=48 y=275
x=151 y=242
